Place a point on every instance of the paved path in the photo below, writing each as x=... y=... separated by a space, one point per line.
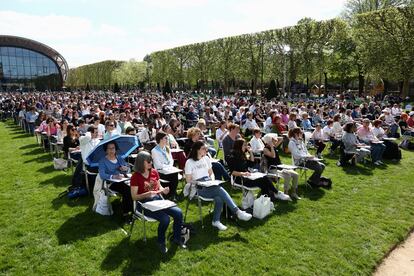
x=400 y=261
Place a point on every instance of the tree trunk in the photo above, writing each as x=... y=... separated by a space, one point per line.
x=361 y=83
x=405 y=88
x=326 y=82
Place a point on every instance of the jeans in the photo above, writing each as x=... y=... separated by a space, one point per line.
x=212 y=151
x=163 y=216
x=376 y=151
x=219 y=171
x=220 y=196
x=317 y=168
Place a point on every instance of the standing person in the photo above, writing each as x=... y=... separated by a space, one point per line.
x=146 y=186
x=301 y=157
x=163 y=160
x=111 y=167
x=199 y=168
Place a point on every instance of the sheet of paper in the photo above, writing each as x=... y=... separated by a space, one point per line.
x=157 y=205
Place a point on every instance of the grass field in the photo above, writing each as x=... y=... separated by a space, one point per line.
x=343 y=231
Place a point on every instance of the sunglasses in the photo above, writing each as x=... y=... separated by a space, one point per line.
x=111 y=125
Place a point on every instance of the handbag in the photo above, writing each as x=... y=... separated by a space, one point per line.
x=60 y=163
x=248 y=200
x=262 y=207
x=104 y=207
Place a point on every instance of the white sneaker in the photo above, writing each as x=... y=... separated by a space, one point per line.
x=381 y=163
x=220 y=226
x=283 y=196
x=180 y=176
x=295 y=196
x=242 y=215
x=377 y=163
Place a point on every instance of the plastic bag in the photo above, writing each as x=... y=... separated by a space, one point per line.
x=248 y=200
x=104 y=207
x=262 y=207
x=60 y=164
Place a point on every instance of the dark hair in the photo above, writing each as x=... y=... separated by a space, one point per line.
x=294 y=131
x=69 y=127
x=348 y=127
x=160 y=135
x=105 y=146
x=92 y=129
x=194 y=150
x=129 y=129
x=237 y=149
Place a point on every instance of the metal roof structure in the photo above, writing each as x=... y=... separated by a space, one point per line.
x=21 y=42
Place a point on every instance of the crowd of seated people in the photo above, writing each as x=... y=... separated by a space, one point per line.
x=178 y=131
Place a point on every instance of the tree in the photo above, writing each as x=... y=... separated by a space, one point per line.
x=385 y=39
x=272 y=91
x=354 y=7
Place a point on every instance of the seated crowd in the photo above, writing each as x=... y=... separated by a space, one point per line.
x=181 y=139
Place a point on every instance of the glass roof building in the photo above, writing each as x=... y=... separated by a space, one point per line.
x=27 y=64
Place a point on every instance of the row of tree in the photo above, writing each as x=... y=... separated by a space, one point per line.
x=374 y=46
x=108 y=74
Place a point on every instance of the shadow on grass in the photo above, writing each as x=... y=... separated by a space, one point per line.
x=64 y=200
x=22 y=136
x=142 y=258
x=60 y=180
x=29 y=146
x=356 y=170
x=36 y=150
x=83 y=226
x=39 y=159
x=312 y=193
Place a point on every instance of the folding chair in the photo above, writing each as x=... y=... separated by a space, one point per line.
x=199 y=200
x=142 y=217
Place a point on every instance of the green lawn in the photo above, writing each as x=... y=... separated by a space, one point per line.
x=343 y=231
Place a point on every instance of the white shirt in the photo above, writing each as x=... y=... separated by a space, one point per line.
x=327 y=132
x=318 y=135
x=250 y=124
x=256 y=144
x=198 y=169
x=162 y=158
x=86 y=144
x=378 y=132
x=298 y=150
x=220 y=136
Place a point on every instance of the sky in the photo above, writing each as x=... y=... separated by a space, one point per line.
x=88 y=31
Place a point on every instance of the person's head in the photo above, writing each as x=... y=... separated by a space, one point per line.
x=305 y=116
x=130 y=131
x=249 y=115
x=161 y=138
x=318 y=126
x=198 y=151
x=166 y=128
x=194 y=133
x=292 y=116
x=201 y=124
x=93 y=130
x=404 y=116
x=336 y=118
x=329 y=123
x=70 y=130
x=233 y=129
x=110 y=148
x=350 y=127
x=377 y=123
x=240 y=146
x=110 y=125
x=257 y=133
x=295 y=133
x=223 y=124
x=143 y=162
x=366 y=123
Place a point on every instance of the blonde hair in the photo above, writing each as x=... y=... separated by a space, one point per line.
x=193 y=132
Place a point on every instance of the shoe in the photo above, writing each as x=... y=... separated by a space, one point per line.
x=180 y=176
x=242 y=215
x=283 y=196
x=180 y=244
x=377 y=163
x=295 y=196
x=381 y=163
x=127 y=219
x=338 y=163
x=163 y=248
x=219 y=225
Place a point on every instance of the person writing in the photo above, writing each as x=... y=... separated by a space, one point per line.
x=146 y=186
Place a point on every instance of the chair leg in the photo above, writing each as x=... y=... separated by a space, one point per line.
x=145 y=232
x=201 y=214
x=186 y=209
